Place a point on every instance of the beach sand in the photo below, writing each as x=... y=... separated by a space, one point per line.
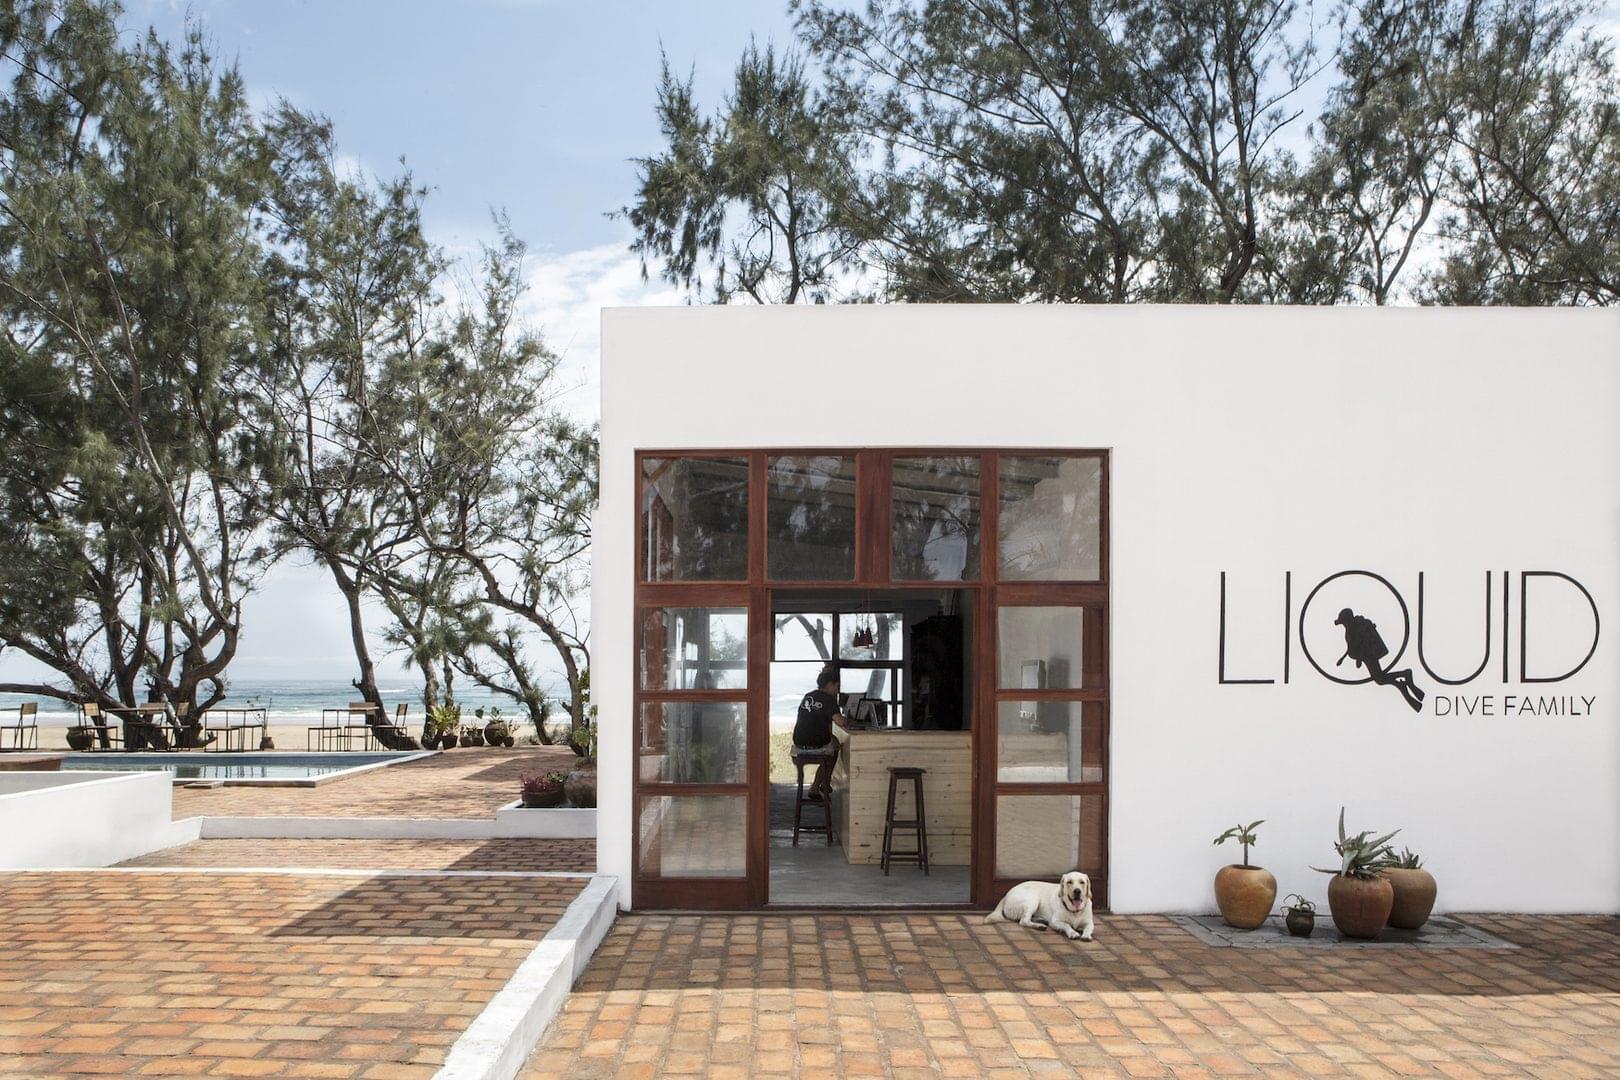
x=287 y=736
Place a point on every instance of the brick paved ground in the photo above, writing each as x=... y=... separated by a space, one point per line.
x=562 y=856
x=255 y=975
x=463 y=783
x=927 y=995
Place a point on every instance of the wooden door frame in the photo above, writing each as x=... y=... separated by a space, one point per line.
x=873 y=571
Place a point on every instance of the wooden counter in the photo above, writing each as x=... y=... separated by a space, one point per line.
x=861 y=782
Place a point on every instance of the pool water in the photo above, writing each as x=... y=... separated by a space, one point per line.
x=195 y=765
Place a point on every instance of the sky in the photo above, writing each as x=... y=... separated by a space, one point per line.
x=531 y=107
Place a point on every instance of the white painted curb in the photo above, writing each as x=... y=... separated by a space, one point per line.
x=508 y=824
x=501 y=1038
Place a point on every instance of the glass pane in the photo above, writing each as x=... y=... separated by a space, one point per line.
x=1051 y=519
x=694 y=519
x=693 y=835
x=936 y=519
x=1040 y=648
x=878 y=636
x=1046 y=836
x=803 y=636
x=811 y=518
x=694 y=649
x=877 y=687
x=694 y=742
x=1040 y=742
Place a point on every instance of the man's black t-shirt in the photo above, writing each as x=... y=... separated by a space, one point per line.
x=816 y=711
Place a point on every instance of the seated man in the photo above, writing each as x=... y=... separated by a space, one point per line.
x=812 y=733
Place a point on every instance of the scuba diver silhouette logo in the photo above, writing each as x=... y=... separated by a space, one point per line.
x=1363 y=645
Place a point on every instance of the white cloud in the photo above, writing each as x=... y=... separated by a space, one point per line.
x=567 y=292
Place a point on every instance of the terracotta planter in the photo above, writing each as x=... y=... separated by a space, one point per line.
x=581 y=788
x=509 y=742
x=544 y=799
x=495 y=732
x=1300 y=923
x=1360 y=906
x=1245 y=895
x=447 y=742
x=472 y=737
x=80 y=738
x=430 y=742
x=1414 y=897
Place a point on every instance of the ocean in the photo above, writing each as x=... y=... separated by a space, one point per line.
x=299 y=702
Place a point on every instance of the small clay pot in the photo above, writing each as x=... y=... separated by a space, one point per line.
x=430 y=742
x=472 y=737
x=80 y=738
x=447 y=742
x=543 y=799
x=1245 y=895
x=1299 y=921
x=509 y=741
x=581 y=788
x=1360 y=906
x=1415 y=891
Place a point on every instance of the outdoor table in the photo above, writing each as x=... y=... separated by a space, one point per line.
x=233 y=733
x=146 y=721
x=332 y=733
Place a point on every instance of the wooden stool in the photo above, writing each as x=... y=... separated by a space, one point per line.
x=919 y=825
x=800 y=761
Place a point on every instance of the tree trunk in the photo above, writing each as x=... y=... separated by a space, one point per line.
x=382 y=725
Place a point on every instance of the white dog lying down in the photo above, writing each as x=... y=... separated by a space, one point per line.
x=1065 y=906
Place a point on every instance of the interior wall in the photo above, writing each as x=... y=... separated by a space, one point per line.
x=1276 y=446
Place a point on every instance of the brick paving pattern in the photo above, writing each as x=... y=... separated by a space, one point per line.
x=463 y=783
x=558 y=856
x=136 y=974
x=945 y=995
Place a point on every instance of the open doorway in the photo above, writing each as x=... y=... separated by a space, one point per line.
x=904 y=659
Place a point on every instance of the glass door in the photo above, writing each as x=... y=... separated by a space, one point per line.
x=1045 y=771
x=693 y=697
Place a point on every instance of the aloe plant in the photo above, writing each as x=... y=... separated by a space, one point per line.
x=1406 y=860
x=1360 y=856
x=1243 y=834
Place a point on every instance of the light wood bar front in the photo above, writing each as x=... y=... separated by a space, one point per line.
x=861 y=782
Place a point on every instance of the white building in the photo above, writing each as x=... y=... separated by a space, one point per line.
x=1159 y=513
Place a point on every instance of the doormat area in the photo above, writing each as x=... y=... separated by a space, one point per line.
x=1438 y=933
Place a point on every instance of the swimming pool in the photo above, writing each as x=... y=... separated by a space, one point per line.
x=269 y=767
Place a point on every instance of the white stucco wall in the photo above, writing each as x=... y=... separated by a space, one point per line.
x=1254 y=441
x=80 y=819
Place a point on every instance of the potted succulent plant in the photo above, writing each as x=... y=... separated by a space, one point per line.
x=1415 y=891
x=1360 y=896
x=1244 y=893
x=446 y=724
x=543 y=789
x=80 y=737
x=1299 y=916
x=497 y=732
x=582 y=780
x=472 y=735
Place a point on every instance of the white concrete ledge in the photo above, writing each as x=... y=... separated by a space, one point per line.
x=501 y=1038
x=561 y=824
x=80 y=820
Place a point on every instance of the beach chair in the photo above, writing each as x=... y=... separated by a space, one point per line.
x=397 y=727
x=105 y=735
x=338 y=727
x=146 y=727
x=229 y=728
x=25 y=732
